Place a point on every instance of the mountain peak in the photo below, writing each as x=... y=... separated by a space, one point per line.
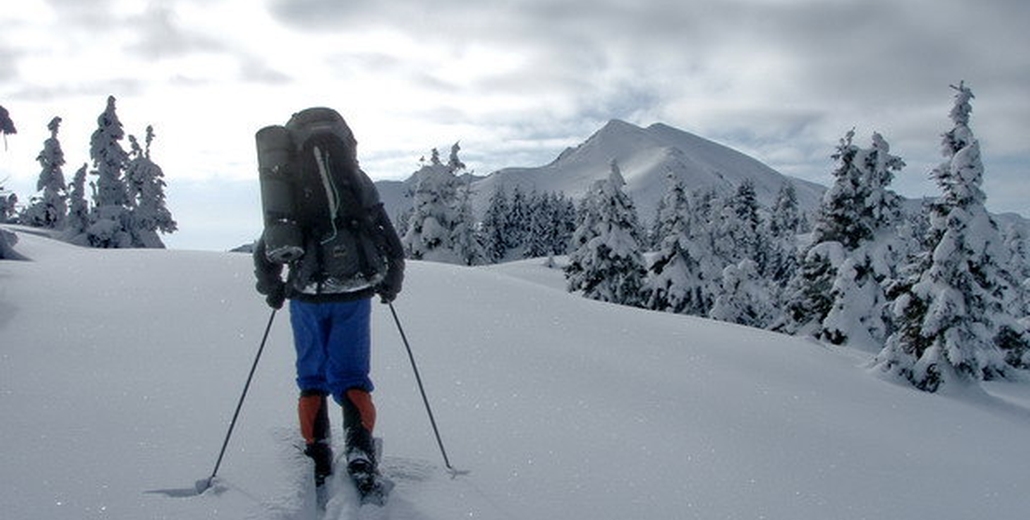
x=619 y=125
x=646 y=157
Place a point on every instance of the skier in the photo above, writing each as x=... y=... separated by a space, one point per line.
x=330 y=319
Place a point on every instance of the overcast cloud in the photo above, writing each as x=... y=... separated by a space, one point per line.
x=516 y=81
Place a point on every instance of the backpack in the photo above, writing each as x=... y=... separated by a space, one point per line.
x=319 y=210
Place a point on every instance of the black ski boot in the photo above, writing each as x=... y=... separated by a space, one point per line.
x=314 y=426
x=362 y=459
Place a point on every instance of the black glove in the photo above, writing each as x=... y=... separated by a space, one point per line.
x=390 y=287
x=274 y=291
x=269 y=277
x=387 y=293
x=276 y=298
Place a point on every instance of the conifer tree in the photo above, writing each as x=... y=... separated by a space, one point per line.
x=7 y=201
x=517 y=223
x=859 y=315
x=607 y=264
x=6 y=125
x=109 y=220
x=78 y=210
x=540 y=220
x=495 y=221
x=838 y=293
x=8 y=205
x=674 y=283
x=50 y=208
x=706 y=210
x=784 y=224
x=737 y=228
x=564 y=224
x=1016 y=237
x=430 y=234
x=744 y=298
x=953 y=320
x=145 y=190
x=739 y=234
x=7 y=240
x=785 y=218
x=467 y=240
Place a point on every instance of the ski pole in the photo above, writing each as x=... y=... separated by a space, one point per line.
x=422 y=390
x=203 y=485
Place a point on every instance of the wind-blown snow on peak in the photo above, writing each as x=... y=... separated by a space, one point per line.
x=646 y=157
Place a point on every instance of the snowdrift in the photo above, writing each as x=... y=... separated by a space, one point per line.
x=119 y=371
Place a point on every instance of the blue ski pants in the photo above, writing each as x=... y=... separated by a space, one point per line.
x=333 y=342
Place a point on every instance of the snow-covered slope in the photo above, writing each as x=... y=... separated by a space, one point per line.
x=646 y=156
x=119 y=371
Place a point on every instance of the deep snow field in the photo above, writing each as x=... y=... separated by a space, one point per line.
x=120 y=370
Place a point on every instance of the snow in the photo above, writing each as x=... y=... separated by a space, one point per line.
x=120 y=369
x=646 y=156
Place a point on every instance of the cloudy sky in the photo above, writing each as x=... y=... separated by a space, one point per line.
x=515 y=81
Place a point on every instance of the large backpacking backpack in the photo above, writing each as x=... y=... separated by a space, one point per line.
x=318 y=204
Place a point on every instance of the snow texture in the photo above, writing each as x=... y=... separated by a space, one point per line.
x=117 y=384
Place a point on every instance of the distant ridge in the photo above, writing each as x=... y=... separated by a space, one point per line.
x=646 y=156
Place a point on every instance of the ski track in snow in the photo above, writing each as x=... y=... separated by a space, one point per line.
x=413 y=479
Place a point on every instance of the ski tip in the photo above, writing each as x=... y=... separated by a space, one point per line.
x=378 y=494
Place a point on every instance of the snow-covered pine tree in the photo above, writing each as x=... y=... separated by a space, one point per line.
x=7 y=243
x=588 y=218
x=564 y=224
x=467 y=240
x=548 y=221
x=859 y=312
x=50 y=208
x=145 y=187
x=8 y=205
x=785 y=218
x=661 y=225
x=738 y=234
x=744 y=298
x=737 y=228
x=453 y=162
x=607 y=264
x=784 y=225
x=435 y=213
x=674 y=282
x=850 y=212
x=838 y=294
x=6 y=125
x=495 y=246
x=108 y=222
x=1016 y=236
x=6 y=239
x=953 y=322
x=77 y=223
x=552 y=220
x=807 y=297
x=517 y=224
x=856 y=313
x=540 y=221
x=706 y=209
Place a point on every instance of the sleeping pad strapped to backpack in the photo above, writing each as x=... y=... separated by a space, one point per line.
x=318 y=204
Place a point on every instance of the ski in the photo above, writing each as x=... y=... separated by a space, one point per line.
x=322 y=496
x=372 y=487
